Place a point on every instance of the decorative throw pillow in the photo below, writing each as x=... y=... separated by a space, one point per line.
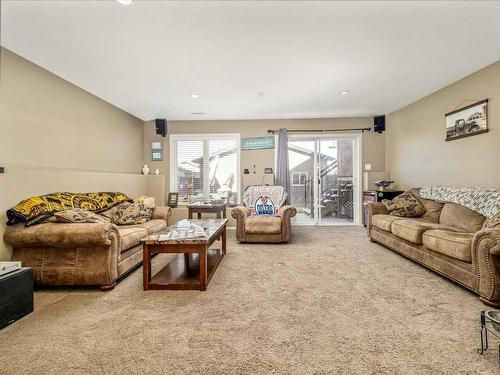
x=132 y=213
x=404 y=205
x=77 y=215
x=110 y=213
x=147 y=201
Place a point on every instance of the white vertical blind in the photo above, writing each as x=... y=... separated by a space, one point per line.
x=209 y=163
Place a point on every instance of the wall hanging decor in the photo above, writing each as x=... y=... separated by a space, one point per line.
x=257 y=143
x=467 y=121
x=156 y=155
x=173 y=198
x=156 y=146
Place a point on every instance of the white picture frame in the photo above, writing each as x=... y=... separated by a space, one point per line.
x=156 y=155
x=156 y=146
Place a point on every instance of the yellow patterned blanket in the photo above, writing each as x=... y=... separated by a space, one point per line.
x=36 y=209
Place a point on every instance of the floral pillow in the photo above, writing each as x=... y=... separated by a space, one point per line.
x=132 y=213
x=78 y=215
x=404 y=205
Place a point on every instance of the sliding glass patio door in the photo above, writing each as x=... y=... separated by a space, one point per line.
x=324 y=175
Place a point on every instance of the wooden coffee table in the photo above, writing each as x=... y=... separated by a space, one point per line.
x=196 y=263
x=208 y=208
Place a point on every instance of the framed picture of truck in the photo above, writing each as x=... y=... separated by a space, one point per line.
x=467 y=121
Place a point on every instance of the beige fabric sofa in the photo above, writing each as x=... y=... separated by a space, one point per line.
x=82 y=254
x=449 y=239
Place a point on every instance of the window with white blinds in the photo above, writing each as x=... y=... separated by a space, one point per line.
x=204 y=166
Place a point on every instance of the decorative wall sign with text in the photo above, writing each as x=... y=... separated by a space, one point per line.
x=257 y=143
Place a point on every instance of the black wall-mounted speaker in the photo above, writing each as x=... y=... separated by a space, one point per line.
x=161 y=127
x=379 y=124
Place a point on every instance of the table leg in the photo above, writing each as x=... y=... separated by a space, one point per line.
x=218 y=217
x=146 y=267
x=224 y=240
x=224 y=212
x=190 y=213
x=203 y=267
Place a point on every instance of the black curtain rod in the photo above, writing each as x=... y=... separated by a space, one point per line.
x=272 y=131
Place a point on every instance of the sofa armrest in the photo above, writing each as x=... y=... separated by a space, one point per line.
x=286 y=213
x=61 y=235
x=376 y=208
x=486 y=260
x=240 y=213
x=373 y=209
x=162 y=212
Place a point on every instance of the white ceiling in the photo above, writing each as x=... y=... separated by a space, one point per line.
x=148 y=58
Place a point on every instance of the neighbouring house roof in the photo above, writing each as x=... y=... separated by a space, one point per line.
x=218 y=174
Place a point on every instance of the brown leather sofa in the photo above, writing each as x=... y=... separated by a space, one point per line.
x=449 y=239
x=82 y=254
x=272 y=229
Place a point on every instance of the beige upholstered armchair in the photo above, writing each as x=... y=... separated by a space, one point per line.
x=252 y=227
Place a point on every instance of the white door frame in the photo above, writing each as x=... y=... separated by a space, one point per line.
x=357 y=179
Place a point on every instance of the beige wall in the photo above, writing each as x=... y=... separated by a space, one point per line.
x=416 y=151
x=56 y=136
x=47 y=121
x=373 y=144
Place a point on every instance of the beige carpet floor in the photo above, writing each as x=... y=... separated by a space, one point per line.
x=330 y=302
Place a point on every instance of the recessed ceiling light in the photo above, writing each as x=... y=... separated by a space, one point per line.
x=197 y=113
x=125 y=2
x=344 y=92
x=195 y=96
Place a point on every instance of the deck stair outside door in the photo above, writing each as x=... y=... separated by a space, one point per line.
x=336 y=193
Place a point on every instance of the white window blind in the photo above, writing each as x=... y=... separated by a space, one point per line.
x=207 y=164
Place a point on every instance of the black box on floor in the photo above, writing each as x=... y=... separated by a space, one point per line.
x=16 y=295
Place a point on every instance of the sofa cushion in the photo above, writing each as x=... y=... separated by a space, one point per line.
x=461 y=217
x=384 y=222
x=412 y=230
x=432 y=208
x=404 y=205
x=152 y=226
x=131 y=237
x=453 y=244
x=263 y=225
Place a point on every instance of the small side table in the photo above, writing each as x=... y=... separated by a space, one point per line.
x=207 y=208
